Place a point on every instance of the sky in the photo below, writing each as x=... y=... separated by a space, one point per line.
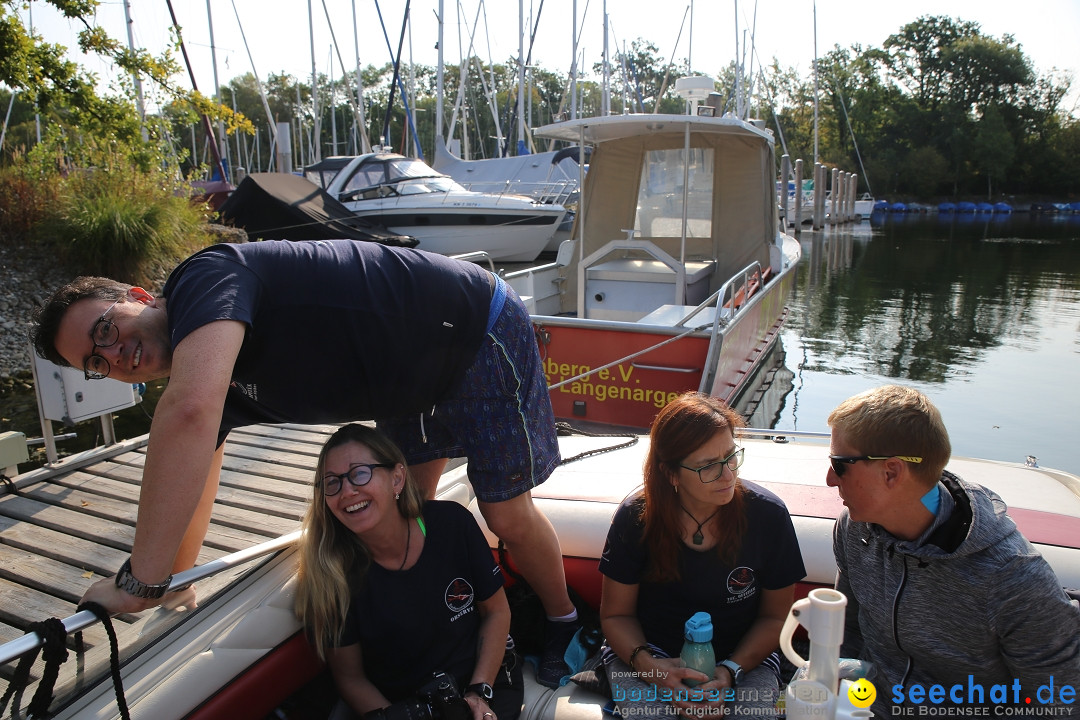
x=280 y=39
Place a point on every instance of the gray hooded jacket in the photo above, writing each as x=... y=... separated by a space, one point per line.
x=971 y=602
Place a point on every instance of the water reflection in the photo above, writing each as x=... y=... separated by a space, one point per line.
x=919 y=300
x=950 y=304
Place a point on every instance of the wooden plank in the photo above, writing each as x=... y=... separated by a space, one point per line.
x=62 y=546
x=81 y=525
x=60 y=534
x=293 y=503
x=304 y=448
x=234 y=508
x=23 y=606
x=118 y=535
x=260 y=464
x=53 y=577
x=312 y=434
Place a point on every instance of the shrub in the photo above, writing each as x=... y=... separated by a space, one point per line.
x=26 y=198
x=117 y=218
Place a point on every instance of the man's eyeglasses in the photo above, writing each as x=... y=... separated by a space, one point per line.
x=358 y=476
x=712 y=471
x=104 y=334
x=840 y=463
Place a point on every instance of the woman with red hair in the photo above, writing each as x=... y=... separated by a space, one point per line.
x=697 y=538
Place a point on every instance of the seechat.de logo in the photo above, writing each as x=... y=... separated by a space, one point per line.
x=975 y=693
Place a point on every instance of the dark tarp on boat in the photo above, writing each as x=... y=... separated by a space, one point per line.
x=279 y=206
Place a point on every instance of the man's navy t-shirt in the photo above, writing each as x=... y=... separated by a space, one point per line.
x=337 y=330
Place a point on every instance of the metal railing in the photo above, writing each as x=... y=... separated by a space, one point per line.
x=84 y=618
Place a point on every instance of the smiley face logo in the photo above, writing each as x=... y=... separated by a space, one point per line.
x=862 y=693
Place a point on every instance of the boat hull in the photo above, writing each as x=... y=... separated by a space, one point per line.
x=505 y=235
x=621 y=373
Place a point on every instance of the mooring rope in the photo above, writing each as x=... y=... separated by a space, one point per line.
x=114 y=654
x=565 y=428
x=54 y=653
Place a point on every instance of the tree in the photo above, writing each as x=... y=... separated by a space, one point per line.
x=992 y=147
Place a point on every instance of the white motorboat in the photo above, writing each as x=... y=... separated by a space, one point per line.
x=678 y=270
x=408 y=197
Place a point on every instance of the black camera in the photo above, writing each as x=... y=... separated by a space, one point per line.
x=438 y=699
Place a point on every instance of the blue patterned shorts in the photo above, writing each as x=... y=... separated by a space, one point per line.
x=499 y=415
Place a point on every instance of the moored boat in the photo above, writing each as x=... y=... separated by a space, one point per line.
x=678 y=270
x=408 y=197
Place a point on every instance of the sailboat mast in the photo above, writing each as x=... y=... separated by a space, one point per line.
x=361 y=117
x=605 y=98
x=134 y=76
x=191 y=73
x=316 y=146
x=222 y=143
x=439 y=77
x=521 y=149
x=815 y=88
x=573 y=70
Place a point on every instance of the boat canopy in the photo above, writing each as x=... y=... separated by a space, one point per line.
x=698 y=188
x=548 y=176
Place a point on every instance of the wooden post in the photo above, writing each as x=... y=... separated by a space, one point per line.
x=798 y=196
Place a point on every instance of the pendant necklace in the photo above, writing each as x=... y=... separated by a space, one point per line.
x=408 y=538
x=699 y=536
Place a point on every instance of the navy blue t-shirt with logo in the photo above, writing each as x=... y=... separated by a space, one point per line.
x=337 y=330
x=769 y=558
x=425 y=619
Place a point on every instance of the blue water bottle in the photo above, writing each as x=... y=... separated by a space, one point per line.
x=697 y=650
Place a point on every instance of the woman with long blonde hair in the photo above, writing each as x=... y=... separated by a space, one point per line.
x=392 y=589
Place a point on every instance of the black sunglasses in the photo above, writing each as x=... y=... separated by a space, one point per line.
x=358 y=476
x=840 y=463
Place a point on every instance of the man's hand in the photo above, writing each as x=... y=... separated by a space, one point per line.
x=114 y=600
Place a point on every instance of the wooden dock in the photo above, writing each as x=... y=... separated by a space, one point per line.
x=65 y=527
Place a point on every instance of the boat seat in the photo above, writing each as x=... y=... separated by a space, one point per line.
x=668 y=315
x=569 y=702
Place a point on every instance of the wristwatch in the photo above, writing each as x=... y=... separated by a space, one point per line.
x=483 y=690
x=735 y=668
x=132 y=586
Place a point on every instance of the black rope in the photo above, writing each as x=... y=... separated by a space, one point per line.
x=565 y=428
x=9 y=486
x=114 y=654
x=54 y=653
x=18 y=682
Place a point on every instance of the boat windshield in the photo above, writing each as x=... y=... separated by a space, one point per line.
x=405 y=175
x=661 y=197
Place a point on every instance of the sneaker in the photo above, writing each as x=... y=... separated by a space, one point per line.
x=557 y=637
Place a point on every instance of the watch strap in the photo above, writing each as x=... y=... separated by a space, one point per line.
x=133 y=586
x=735 y=669
x=483 y=690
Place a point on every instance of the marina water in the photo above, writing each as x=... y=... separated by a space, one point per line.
x=980 y=313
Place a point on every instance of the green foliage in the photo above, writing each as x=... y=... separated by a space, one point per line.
x=26 y=196
x=119 y=217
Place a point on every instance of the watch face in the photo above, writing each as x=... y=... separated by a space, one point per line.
x=483 y=690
